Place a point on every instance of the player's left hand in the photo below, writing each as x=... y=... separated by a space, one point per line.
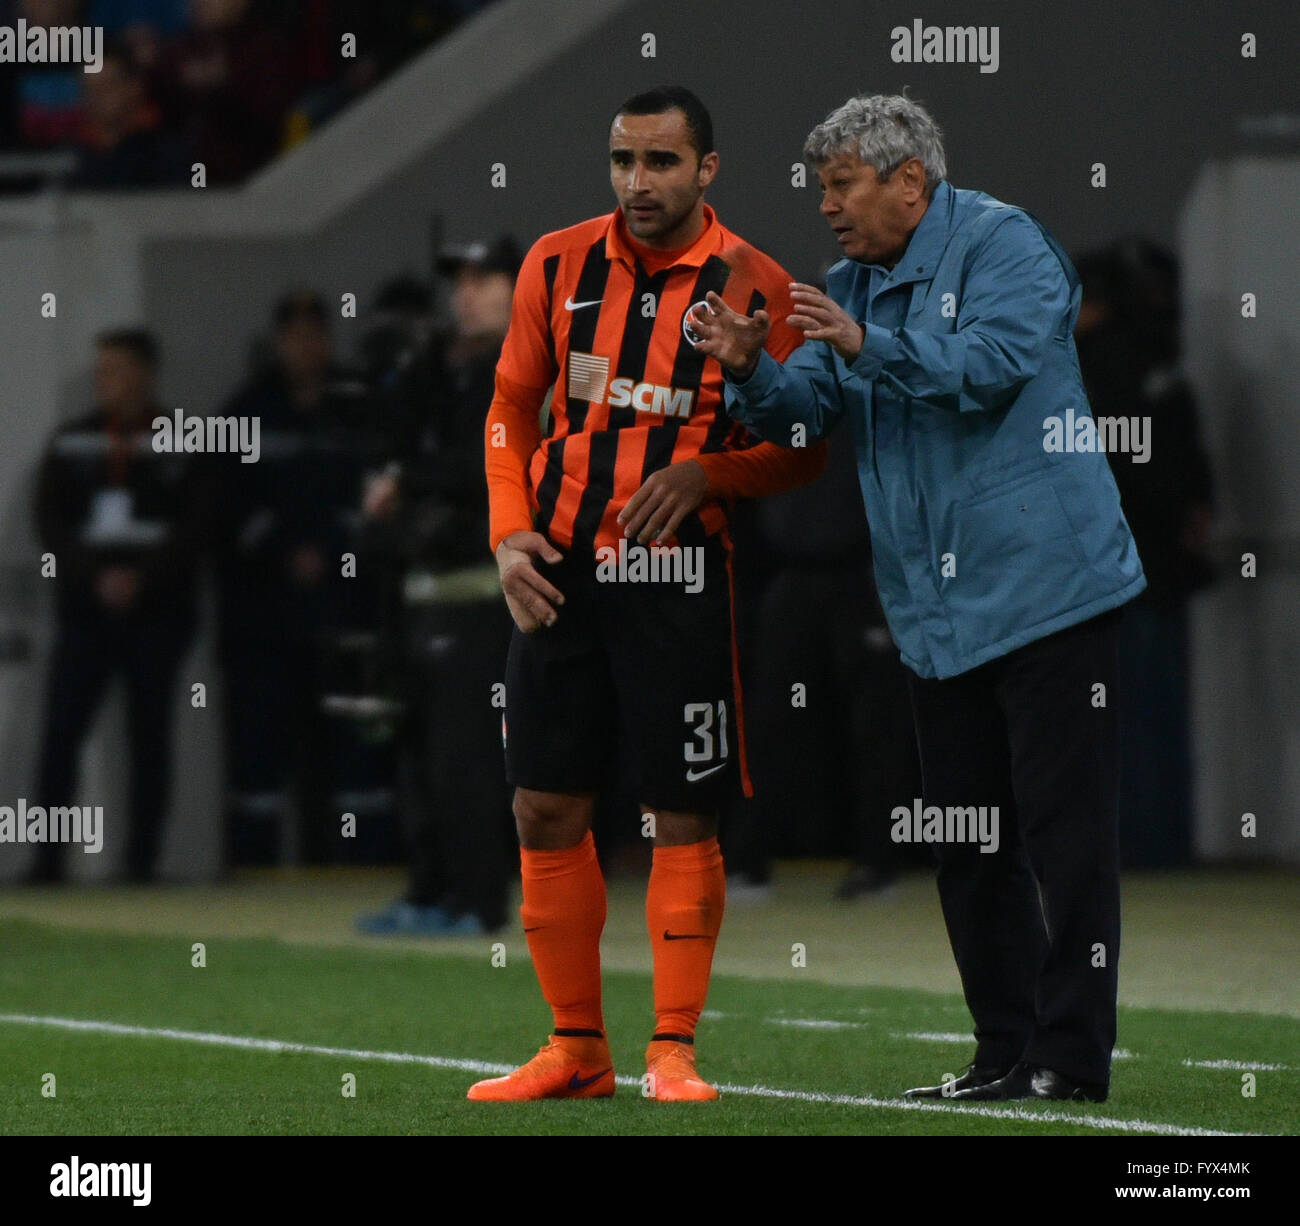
x=823 y=320
x=665 y=498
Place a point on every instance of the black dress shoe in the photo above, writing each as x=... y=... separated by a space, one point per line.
x=975 y=1075
x=1033 y=1081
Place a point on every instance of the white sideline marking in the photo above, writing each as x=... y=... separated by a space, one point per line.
x=1239 y=1065
x=811 y=1023
x=814 y=1023
x=275 y=1045
x=484 y=1066
x=929 y=1036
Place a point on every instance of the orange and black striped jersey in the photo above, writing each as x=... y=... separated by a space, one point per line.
x=600 y=319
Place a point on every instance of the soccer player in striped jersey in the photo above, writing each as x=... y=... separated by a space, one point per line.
x=610 y=530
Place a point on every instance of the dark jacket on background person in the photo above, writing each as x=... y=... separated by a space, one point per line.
x=446 y=398
x=1159 y=495
x=168 y=527
x=300 y=494
x=822 y=523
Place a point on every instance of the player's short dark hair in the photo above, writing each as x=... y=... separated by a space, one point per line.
x=140 y=343
x=675 y=98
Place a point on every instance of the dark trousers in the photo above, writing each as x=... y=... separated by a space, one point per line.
x=1034 y=926
x=456 y=803
x=276 y=741
x=92 y=646
x=847 y=748
x=1155 y=775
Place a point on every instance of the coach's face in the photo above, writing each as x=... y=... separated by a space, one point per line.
x=658 y=177
x=872 y=221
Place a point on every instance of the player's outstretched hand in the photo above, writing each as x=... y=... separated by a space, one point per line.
x=666 y=497
x=824 y=320
x=531 y=600
x=734 y=339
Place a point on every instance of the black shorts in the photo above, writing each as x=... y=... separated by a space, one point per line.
x=650 y=661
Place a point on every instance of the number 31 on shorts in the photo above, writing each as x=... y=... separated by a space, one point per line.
x=708 y=724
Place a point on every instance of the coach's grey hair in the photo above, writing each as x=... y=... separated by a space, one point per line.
x=884 y=130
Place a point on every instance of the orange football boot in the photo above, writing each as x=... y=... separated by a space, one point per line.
x=670 y=1066
x=567 y=1067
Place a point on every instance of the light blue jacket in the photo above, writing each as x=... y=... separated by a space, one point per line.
x=983 y=540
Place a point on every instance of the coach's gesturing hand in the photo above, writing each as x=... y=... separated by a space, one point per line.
x=734 y=339
x=531 y=600
x=820 y=319
x=665 y=498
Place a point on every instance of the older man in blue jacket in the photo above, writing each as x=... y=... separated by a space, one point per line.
x=1001 y=554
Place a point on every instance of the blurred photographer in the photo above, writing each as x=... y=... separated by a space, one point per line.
x=288 y=519
x=431 y=502
x=1128 y=338
x=126 y=525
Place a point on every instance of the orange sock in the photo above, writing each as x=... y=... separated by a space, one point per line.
x=683 y=907
x=564 y=914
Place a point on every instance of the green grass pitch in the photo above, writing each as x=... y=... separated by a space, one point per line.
x=855 y=1047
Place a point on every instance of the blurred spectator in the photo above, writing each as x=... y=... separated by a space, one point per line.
x=282 y=592
x=387 y=32
x=1127 y=336
x=141 y=25
x=42 y=106
x=397 y=339
x=225 y=87
x=234 y=81
x=126 y=525
x=123 y=144
x=832 y=748
x=454 y=626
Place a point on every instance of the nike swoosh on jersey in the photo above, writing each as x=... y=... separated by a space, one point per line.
x=570 y=305
x=685 y=936
x=692 y=776
x=581 y=1083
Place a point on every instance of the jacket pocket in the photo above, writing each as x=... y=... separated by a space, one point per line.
x=989 y=479
x=1018 y=562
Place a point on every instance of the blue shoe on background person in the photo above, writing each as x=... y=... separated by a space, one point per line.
x=404 y=918
x=466 y=925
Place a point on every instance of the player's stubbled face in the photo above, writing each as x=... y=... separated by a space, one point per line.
x=869 y=218
x=657 y=176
